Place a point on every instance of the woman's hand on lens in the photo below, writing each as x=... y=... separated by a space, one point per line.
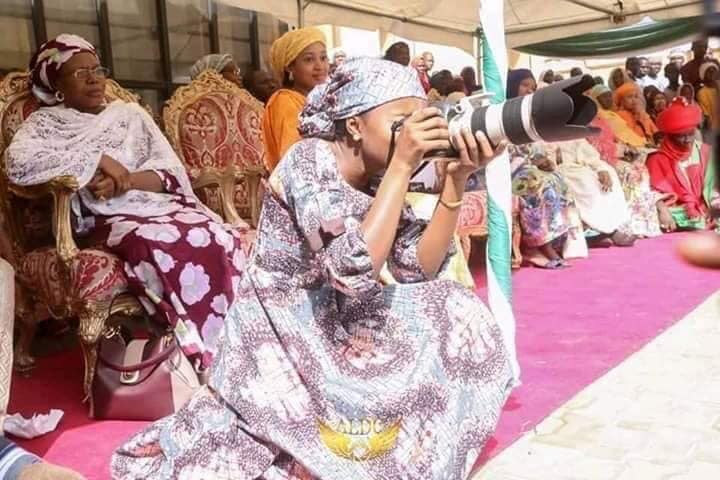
x=102 y=186
x=422 y=132
x=117 y=172
x=475 y=152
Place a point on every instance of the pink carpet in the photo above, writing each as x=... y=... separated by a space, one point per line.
x=573 y=326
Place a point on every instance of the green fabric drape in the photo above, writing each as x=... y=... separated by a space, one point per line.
x=619 y=41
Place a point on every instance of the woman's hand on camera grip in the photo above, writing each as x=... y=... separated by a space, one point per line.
x=422 y=132
x=474 y=152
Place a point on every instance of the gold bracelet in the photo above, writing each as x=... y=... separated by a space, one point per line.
x=451 y=205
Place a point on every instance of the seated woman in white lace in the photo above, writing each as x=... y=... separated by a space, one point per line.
x=135 y=196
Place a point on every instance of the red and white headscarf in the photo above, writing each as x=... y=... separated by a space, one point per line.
x=45 y=65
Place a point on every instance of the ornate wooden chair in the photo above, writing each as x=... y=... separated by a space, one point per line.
x=70 y=281
x=472 y=224
x=215 y=128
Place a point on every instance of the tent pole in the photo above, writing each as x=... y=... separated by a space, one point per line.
x=480 y=53
x=301 y=13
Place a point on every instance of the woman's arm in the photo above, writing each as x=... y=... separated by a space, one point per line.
x=381 y=223
x=435 y=241
x=148 y=181
x=423 y=131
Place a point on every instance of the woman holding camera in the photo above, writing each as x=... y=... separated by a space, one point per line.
x=323 y=371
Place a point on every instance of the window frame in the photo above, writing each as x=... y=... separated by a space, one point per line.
x=166 y=86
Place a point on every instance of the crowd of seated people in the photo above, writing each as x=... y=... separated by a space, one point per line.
x=334 y=217
x=647 y=172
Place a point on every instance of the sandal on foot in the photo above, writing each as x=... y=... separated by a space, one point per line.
x=555 y=264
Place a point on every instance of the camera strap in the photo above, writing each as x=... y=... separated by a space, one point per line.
x=394 y=128
x=396 y=125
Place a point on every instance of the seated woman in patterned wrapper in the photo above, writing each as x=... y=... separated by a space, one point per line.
x=135 y=196
x=324 y=372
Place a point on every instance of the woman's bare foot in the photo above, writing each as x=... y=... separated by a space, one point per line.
x=667 y=223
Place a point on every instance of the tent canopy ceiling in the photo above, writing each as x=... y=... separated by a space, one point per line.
x=454 y=22
x=636 y=39
x=525 y=23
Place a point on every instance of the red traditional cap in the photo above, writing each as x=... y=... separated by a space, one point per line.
x=679 y=117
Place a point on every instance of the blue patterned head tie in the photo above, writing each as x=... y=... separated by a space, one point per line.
x=357 y=86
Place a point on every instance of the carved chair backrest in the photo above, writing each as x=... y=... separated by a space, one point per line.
x=214 y=125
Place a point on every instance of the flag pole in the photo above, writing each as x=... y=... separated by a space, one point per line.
x=499 y=184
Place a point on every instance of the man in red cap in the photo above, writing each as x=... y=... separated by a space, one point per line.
x=681 y=168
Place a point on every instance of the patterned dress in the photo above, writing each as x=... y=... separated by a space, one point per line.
x=635 y=180
x=545 y=200
x=181 y=261
x=184 y=267
x=322 y=371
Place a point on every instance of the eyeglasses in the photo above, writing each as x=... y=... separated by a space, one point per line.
x=234 y=71
x=97 y=72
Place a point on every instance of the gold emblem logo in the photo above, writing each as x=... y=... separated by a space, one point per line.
x=359 y=440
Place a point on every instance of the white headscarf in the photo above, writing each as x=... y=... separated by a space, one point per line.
x=215 y=61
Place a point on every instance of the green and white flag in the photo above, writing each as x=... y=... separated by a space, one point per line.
x=499 y=183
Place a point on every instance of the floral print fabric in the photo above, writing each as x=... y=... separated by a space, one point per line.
x=642 y=200
x=545 y=200
x=324 y=372
x=184 y=267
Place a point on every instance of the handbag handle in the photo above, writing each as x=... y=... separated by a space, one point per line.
x=151 y=362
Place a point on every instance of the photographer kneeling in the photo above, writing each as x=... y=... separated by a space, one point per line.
x=322 y=370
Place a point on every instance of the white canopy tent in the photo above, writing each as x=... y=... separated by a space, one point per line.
x=455 y=22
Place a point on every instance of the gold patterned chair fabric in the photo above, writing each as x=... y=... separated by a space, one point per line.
x=87 y=283
x=473 y=224
x=215 y=128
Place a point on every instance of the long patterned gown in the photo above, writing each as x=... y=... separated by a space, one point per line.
x=322 y=372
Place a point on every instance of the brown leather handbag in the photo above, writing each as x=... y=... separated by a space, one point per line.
x=141 y=380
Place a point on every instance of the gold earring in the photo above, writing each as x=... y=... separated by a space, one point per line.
x=291 y=77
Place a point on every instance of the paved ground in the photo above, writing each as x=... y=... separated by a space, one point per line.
x=654 y=417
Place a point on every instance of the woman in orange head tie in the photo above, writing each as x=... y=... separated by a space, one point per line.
x=629 y=103
x=299 y=59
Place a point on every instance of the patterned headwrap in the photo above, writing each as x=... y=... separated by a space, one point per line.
x=357 y=86
x=215 y=61
x=679 y=117
x=705 y=67
x=286 y=49
x=45 y=65
x=623 y=91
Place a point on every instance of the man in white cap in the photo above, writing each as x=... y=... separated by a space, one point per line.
x=678 y=58
x=655 y=76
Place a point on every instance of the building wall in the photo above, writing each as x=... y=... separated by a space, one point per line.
x=132 y=33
